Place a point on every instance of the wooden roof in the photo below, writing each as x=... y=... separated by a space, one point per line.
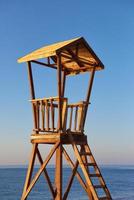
x=77 y=55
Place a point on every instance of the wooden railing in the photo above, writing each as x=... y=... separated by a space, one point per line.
x=46 y=115
x=75 y=116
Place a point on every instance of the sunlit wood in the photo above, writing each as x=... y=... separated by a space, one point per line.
x=59 y=123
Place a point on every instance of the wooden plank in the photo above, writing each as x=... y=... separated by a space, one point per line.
x=38 y=115
x=75 y=120
x=80 y=117
x=42 y=115
x=89 y=93
x=30 y=77
x=75 y=58
x=44 y=64
x=81 y=103
x=64 y=115
x=86 y=62
x=47 y=116
x=71 y=115
x=56 y=98
x=32 y=91
x=52 y=114
x=63 y=83
x=48 y=51
x=36 y=177
x=58 y=173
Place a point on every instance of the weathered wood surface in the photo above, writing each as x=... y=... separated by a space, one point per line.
x=60 y=123
x=82 y=60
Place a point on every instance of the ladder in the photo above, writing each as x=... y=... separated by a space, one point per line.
x=96 y=186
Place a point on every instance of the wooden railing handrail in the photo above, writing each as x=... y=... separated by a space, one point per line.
x=46 y=114
x=47 y=99
x=81 y=103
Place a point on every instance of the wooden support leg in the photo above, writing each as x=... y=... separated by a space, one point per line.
x=30 y=170
x=58 y=173
x=71 y=181
x=36 y=177
x=46 y=174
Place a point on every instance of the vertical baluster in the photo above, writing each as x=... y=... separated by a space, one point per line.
x=47 y=115
x=38 y=114
x=64 y=114
x=42 y=114
x=75 y=120
x=80 y=117
x=71 y=114
x=52 y=114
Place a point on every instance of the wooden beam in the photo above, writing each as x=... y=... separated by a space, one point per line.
x=32 y=92
x=30 y=77
x=46 y=175
x=58 y=173
x=59 y=77
x=82 y=60
x=71 y=180
x=44 y=64
x=36 y=177
x=30 y=170
x=63 y=83
x=75 y=58
x=89 y=94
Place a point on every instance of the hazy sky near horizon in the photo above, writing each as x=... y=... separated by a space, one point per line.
x=108 y=26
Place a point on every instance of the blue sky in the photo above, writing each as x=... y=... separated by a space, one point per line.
x=108 y=26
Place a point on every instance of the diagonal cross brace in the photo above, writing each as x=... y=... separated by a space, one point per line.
x=36 y=177
x=46 y=174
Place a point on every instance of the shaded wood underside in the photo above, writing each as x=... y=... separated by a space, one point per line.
x=76 y=56
x=55 y=137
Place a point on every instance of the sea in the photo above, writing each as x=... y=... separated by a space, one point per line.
x=119 y=179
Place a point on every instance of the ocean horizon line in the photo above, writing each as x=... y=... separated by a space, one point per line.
x=65 y=166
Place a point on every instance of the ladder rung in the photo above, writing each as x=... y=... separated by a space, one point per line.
x=85 y=154
x=104 y=198
x=94 y=175
x=99 y=186
x=89 y=164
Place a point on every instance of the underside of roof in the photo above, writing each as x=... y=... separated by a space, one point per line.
x=76 y=56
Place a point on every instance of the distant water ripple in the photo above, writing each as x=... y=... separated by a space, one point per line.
x=119 y=179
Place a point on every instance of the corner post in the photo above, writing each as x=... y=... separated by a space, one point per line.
x=63 y=83
x=58 y=173
x=32 y=92
x=89 y=93
x=30 y=77
x=59 y=77
x=58 y=167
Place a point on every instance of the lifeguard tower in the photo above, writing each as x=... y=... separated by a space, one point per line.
x=59 y=123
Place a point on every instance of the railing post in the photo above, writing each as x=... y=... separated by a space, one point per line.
x=88 y=94
x=59 y=92
x=32 y=92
